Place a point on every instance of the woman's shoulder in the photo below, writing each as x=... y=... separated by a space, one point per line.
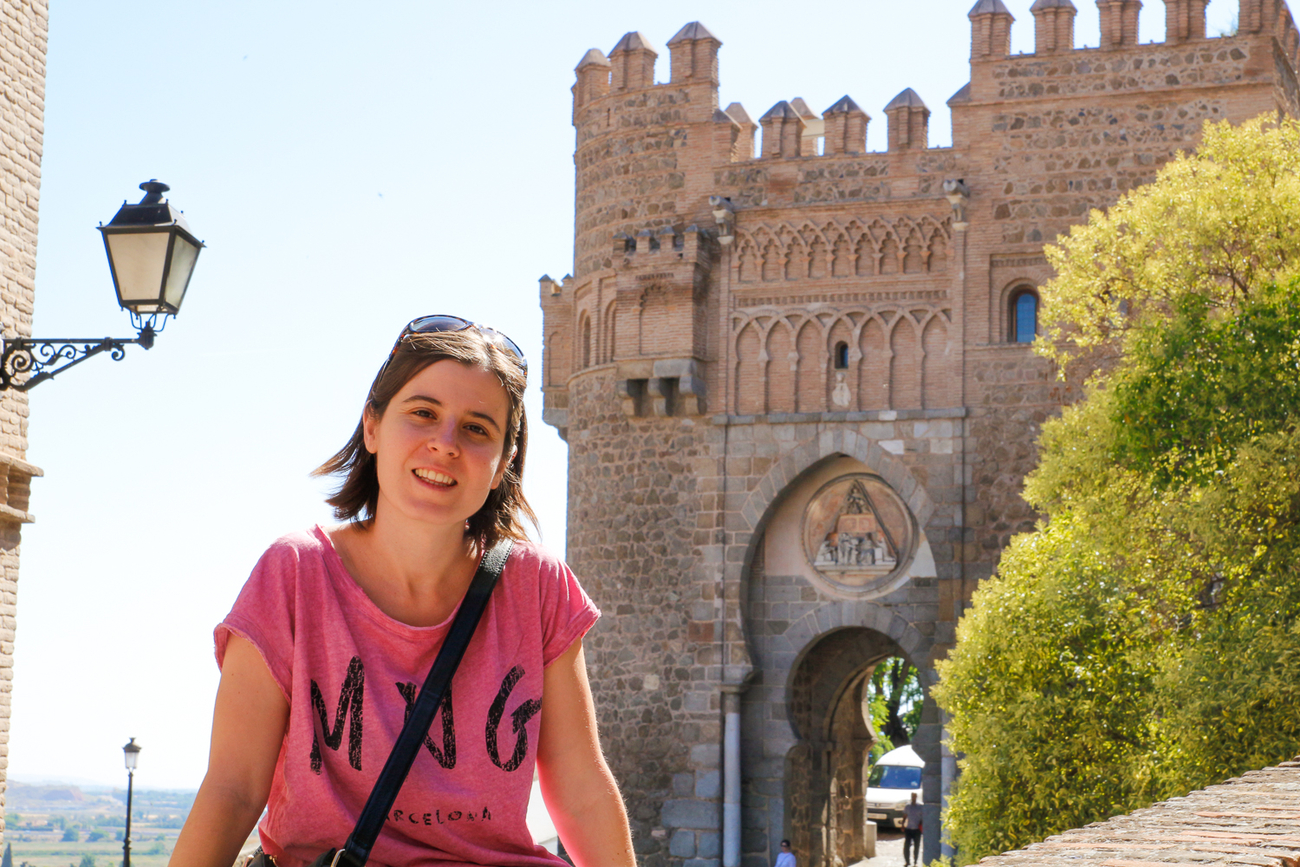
x=527 y=555
x=308 y=548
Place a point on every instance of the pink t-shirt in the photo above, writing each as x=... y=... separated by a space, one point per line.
x=350 y=672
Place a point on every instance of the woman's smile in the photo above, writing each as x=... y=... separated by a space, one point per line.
x=435 y=477
x=438 y=446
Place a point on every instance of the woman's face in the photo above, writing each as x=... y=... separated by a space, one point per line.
x=438 y=446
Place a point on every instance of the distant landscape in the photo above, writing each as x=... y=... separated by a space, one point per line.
x=82 y=826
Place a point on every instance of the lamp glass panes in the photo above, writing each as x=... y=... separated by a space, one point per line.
x=151 y=253
x=131 y=754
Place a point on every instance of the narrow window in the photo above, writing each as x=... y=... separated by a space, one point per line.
x=586 y=342
x=841 y=356
x=1024 y=316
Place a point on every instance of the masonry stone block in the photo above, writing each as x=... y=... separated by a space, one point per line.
x=706 y=755
x=894 y=447
x=690 y=813
x=673 y=367
x=682 y=844
x=708 y=784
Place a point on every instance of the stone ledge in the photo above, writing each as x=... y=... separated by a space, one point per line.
x=8 y=460
x=8 y=513
x=1252 y=819
x=829 y=417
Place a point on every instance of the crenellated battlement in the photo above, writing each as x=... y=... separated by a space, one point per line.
x=789 y=129
x=646 y=145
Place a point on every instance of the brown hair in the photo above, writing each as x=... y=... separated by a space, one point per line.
x=358 y=495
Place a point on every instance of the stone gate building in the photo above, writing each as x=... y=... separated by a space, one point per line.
x=798 y=394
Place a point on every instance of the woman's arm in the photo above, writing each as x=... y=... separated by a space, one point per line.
x=579 y=790
x=247 y=730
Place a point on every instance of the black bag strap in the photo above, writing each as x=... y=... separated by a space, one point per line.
x=357 y=848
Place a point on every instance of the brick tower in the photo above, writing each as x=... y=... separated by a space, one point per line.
x=796 y=385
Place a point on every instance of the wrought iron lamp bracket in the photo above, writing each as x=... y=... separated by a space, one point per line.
x=45 y=359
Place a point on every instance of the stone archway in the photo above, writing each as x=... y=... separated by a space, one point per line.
x=815 y=641
x=825 y=770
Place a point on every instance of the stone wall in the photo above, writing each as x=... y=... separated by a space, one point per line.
x=23 y=29
x=633 y=513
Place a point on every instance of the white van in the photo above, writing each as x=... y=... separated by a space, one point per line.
x=891 y=783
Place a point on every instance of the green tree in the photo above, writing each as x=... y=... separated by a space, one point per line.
x=1218 y=223
x=896 y=687
x=1145 y=639
x=87 y=861
x=894 y=701
x=71 y=835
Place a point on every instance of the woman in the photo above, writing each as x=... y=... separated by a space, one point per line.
x=324 y=650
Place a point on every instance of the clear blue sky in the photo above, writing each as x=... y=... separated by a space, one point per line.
x=351 y=166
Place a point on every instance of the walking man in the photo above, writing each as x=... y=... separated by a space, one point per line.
x=911 y=834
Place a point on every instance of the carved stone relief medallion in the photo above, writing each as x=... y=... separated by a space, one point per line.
x=857 y=533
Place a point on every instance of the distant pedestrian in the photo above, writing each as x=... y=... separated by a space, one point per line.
x=786 y=858
x=911 y=833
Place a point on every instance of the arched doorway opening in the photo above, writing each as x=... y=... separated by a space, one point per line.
x=826 y=772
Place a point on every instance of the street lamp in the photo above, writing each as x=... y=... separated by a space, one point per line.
x=151 y=254
x=131 y=753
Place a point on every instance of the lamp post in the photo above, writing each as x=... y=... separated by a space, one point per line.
x=151 y=254
x=131 y=752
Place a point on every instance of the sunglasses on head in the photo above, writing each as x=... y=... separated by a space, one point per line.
x=443 y=322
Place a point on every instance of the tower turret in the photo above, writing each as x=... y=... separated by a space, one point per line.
x=846 y=128
x=782 y=131
x=1184 y=20
x=990 y=23
x=909 y=119
x=745 y=145
x=728 y=144
x=1119 y=22
x=593 y=78
x=1053 y=25
x=1256 y=15
x=694 y=54
x=633 y=62
x=814 y=128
